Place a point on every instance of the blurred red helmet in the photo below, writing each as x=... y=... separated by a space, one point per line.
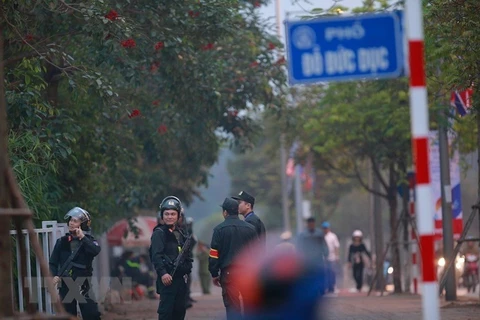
x=283 y=284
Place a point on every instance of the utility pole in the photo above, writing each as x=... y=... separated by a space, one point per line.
x=446 y=190
x=283 y=151
x=378 y=226
x=406 y=237
x=298 y=198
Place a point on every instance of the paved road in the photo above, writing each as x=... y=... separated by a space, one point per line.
x=344 y=306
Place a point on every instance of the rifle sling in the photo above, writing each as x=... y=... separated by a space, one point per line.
x=69 y=260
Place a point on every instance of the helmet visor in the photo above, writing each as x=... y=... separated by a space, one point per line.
x=78 y=214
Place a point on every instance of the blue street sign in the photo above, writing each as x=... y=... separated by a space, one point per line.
x=345 y=48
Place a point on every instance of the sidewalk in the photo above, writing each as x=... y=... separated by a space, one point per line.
x=345 y=306
x=207 y=307
x=392 y=307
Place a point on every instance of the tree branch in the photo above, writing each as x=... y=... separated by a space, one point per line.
x=378 y=174
x=356 y=175
x=28 y=44
x=332 y=167
x=366 y=186
x=12 y=60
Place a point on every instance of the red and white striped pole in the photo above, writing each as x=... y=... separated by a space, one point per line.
x=420 y=126
x=413 y=235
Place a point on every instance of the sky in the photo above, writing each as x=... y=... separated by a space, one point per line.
x=303 y=6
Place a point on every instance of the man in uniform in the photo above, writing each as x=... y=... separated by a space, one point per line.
x=204 y=275
x=245 y=208
x=228 y=240
x=83 y=248
x=166 y=244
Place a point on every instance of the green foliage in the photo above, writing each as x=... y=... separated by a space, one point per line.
x=133 y=100
x=357 y=122
x=36 y=168
x=452 y=39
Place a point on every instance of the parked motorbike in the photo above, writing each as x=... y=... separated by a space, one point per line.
x=470 y=276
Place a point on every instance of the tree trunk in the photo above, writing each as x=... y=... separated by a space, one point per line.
x=406 y=237
x=378 y=232
x=52 y=77
x=393 y=204
x=6 y=297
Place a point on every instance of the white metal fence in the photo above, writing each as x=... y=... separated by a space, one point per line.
x=47 y=236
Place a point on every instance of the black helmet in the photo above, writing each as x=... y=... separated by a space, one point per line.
x=170 y=203
x=82 y=215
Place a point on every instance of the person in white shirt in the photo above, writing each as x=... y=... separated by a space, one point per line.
x=333 y=256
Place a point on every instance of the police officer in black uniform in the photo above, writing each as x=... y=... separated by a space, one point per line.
x=245 y=207
x=84 y=247
x=229 y=238
x=166 y=243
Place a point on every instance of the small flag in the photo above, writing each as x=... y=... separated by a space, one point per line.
x=462 y=101
x=290 y=171
x=290 y=168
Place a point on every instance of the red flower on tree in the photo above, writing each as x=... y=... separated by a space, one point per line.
x=159 y=45
x=193 y=14
x=128 y=43
x=254 y=64
x=156 y=102
x=271 y=46
x=112 y=15
x=28 y=37
x=208 y=46
x=257 y=4
x=162 y=129
x=134 y=113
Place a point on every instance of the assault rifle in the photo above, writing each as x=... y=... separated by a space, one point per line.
x=183 y=253
x=67 y=266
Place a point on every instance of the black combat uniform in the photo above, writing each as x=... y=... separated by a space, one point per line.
x=251 y=217
x=164 y=249
x=228 y=240
x=81 y=267
x=255 y=221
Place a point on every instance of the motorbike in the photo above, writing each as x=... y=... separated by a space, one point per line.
x=470 y=275
x=459 y=268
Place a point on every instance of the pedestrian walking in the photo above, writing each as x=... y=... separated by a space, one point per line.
x=312 y=243
x=229 y=239
x=285 y=242
x=333 y=258
x=356 y=258
x=167 y=243
x=202 y=258
x=71 y=260
x=246 y=203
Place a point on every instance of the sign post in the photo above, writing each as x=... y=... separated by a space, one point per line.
x=345 y=48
